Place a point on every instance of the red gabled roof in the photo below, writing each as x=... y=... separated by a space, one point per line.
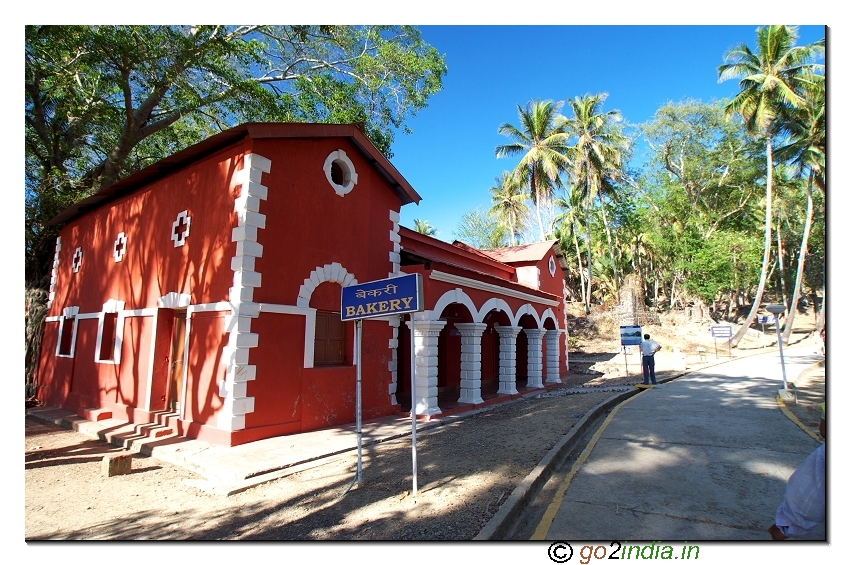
x=521 y=253
x=461 y=245
x=255 y=130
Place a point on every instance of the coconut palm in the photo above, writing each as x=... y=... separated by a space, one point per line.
x=806 y=127
x=509 y=204
x=596 y=160
x=423 y=227
x=568 y=225
x=541 y=143
x=771 y=81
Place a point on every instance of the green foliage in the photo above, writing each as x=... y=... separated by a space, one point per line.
x=541 y=143
x=423 y=227
x=728 y=261
x=509 y=204
x=102 y=102
x=772 y=78
x=481 y=230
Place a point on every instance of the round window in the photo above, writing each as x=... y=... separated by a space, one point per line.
x=551 y=265
x=340 y=173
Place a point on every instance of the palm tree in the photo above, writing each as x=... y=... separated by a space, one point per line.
x=423 y=227
x=542 y=144
x=568 y=222
x=509 y=205
x=806 y=128
x=596 y=161
x=771 y=81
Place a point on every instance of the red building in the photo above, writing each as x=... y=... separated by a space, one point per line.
x=202 y=294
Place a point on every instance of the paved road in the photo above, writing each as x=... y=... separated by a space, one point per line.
x=704 y=457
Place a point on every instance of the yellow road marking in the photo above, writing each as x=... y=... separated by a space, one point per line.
x=796 y=420
x=549 y=516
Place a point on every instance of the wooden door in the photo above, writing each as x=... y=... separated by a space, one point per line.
x=178 y=344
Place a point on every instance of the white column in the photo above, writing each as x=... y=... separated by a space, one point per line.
x=470 y=362
x=425 y=346
x=535 y=357
x=507 y=358
x=553 y=356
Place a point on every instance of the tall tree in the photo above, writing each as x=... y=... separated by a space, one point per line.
x=509 y=204
x=104 y=101
x=541 y=144
x=771 y=80
x=596 y=160
x=806 y=148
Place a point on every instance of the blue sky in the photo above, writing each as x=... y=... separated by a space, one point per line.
x=450 y=156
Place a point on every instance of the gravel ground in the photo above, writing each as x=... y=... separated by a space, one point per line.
x=466 y=470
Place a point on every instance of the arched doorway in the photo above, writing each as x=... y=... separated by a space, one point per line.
x=490 y=353
x=526 y=322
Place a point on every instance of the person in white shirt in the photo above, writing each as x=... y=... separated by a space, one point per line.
x=649 y=348
x=803 y=507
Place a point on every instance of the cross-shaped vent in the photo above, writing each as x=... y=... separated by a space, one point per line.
x=120 y=247
x=78 y=259
x=180 y=228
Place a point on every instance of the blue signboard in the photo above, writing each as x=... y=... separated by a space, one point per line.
x=631 y=335
x=765 y=319
x=721 y=331
x=386 y=297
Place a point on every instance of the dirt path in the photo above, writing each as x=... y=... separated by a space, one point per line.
x=466 y=470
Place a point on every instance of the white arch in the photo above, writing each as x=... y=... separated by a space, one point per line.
x=549 y=314
x=495 y=304
x=527 y=309
x=451 y=297
x=333 y=272
x=174 y=300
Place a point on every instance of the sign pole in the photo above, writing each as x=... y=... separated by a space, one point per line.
x=394 y=296
x=721 y=332
x=781 y=356
x=413 y=397
x=358 y=324
x=626 y=357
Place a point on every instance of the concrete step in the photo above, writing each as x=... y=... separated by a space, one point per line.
x=96 y=414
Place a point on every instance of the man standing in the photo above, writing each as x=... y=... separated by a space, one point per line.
x=649 y=348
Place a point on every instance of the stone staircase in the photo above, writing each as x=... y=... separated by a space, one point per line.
x=122 y=433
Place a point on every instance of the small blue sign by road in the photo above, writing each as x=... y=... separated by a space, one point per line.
x=631 y=335
x=398 y=295
x=721 y=331
x=766 y=319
